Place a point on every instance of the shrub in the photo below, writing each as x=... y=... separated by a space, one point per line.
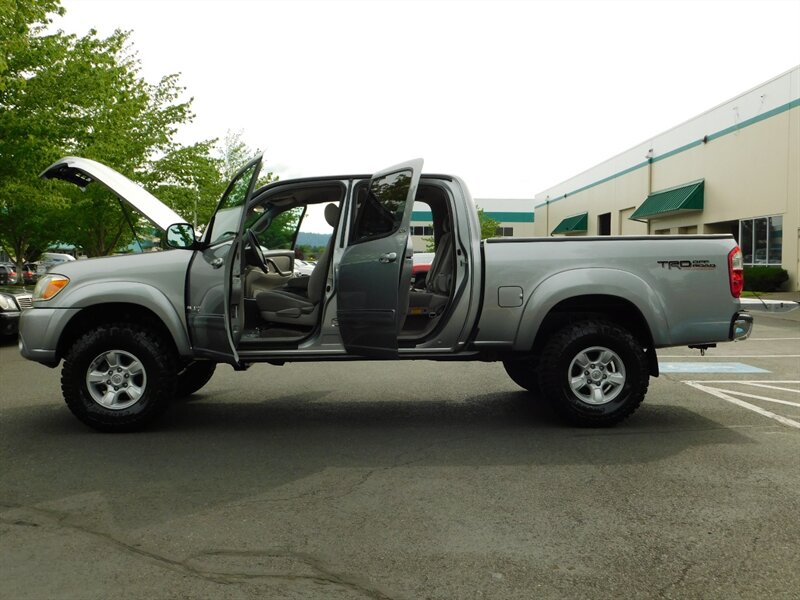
x=764 y=279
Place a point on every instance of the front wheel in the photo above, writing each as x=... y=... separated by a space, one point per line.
x=594 y=372
x=118 y=377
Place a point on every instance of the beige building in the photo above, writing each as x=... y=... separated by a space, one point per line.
x=514 y=217
x=733 y=169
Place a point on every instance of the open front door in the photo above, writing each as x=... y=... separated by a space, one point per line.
x=372 y=282
x=215 y=287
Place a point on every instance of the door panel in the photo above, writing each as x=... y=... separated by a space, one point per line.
x=215 y=287
x=374 y=272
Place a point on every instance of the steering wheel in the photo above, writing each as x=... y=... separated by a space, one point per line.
x=256 y=252
x=262 y=262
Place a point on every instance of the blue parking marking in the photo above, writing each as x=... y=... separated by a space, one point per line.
x=708 y=367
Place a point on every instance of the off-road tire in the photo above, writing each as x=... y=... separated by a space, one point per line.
x=194 y=376
x=557 y=373
x=155 y=357
x=525 y=373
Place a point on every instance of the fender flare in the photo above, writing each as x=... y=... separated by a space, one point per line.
x=137 y=294
x=591 y=282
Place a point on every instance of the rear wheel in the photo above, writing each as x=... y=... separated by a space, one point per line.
x=594 y=372
x=118 y=377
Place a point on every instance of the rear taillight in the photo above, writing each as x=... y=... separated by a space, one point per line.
x=736 y=271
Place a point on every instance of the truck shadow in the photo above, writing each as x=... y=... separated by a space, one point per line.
x=209 y=452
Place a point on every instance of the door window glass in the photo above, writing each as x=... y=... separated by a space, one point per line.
x=381 y=212
x=226 y=220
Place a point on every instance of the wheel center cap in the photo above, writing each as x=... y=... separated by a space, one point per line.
x=116 y=379
x=596 y=375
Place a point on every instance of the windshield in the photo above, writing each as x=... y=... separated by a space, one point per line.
x=229 y=213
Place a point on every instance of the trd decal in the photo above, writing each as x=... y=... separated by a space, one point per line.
x=691 y=265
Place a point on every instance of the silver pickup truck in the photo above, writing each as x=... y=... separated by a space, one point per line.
x=576 y=321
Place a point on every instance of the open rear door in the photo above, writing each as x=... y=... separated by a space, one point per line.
x=371 y=282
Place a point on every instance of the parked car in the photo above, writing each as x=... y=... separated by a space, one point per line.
x=48 y=259
x=29 y=274
x=8 y=273
x=303 y=267
x=13 y=300
x=577 y=322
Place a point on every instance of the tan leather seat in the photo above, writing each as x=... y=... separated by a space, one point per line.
x=298 y=303
x=438 y=282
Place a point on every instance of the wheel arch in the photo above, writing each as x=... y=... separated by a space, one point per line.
x=616 y=309
x=114 y=312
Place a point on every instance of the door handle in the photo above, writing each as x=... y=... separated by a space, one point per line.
x=388 y=257
x=217 y=263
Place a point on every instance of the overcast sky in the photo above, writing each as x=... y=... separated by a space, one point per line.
x=512 y=96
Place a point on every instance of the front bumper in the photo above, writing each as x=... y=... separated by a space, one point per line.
x=9 y=322
x=39 y=332
x=741 y=326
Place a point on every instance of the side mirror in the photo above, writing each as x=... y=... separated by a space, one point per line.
x=180 y=235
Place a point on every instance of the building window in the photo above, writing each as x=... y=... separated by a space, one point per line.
x=761 y=240
x=504 y=232
x=422 y=230
x=604 y=224
x=688 y=230
x=663 y=231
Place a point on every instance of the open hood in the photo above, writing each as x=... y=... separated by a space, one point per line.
x=82 y=172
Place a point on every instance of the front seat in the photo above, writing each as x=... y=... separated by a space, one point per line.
x=438 y=282
x=298 y=303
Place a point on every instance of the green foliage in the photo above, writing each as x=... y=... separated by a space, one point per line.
x=18 y=18
x=488 y=225
x=234 y=153
x=764 y=279
x=188 y=180
x=281 y=230
x=63 y=94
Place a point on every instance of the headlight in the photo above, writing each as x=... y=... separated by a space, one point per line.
x=48 y=286
x=7 y=303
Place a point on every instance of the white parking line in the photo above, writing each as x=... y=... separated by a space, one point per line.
x=752 y=339
x=716 y=357
x=771 y=387
x=750 y=381
x=757 y=409
x=764 y=398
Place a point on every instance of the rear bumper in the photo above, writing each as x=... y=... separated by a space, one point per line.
x=741 y=326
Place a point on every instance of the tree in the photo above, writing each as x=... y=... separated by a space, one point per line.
x=235 y=153
x=27 y=214
x=17 y=19
x=488 y=224
x=62 y=94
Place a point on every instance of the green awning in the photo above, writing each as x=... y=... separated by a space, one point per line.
x=670 y=202
x=575 y=224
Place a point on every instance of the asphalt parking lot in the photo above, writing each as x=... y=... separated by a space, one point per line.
x=411 y=480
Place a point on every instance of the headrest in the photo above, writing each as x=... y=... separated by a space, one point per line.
x=332 y=215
